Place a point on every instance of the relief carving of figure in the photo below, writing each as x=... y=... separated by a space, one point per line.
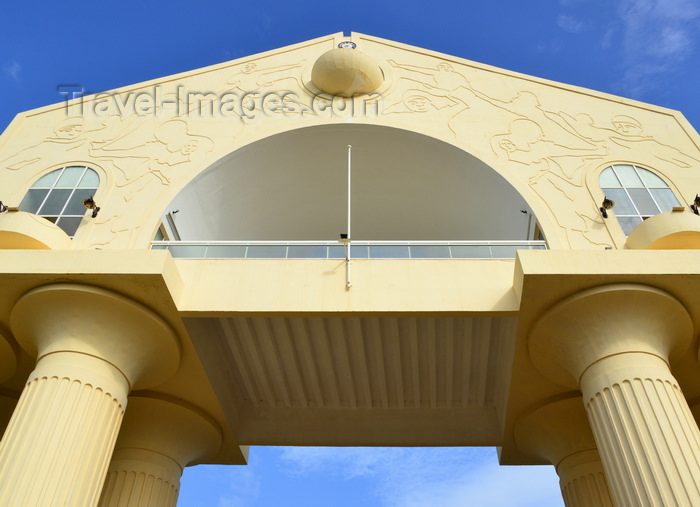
x=142 y=169
x=251 y=82
x=443 y=77
x=418 y=101
x=251 y=78
x=556 y=176
x=628 y=133
x=426 y=90
x=70 y=135
x=171 y=146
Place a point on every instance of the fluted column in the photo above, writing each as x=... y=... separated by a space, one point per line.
x=93 y=346
x=158 y=439
x=615 y=343
x=559 y=433
x=629 y=409
x=582 y=480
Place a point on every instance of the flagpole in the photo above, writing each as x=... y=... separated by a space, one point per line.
x=347 y=253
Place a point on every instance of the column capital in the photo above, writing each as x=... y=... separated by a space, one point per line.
x=89 y=320
x=172 y=427
x=558 y=431
x=158 y=438
x=555 y=430
x=605 y=321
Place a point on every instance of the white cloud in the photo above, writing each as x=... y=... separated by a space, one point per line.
x=264 y=26
x=570 y=24
x=606 y=42
x=241 y=487
x=220 y=485
x=672 y=42
x=382 y=477
x=449 y=477
x=348 y=462
x=551 y=47
x=657 y=36
x=650 y=24
x=487 y=486
x=12 y=70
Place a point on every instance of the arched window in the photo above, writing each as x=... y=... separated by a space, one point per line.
x=638 y=194
x=58 y=196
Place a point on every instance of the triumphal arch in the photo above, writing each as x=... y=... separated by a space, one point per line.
x=348 y=241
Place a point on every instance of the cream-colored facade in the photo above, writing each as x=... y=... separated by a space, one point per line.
x=208 y=306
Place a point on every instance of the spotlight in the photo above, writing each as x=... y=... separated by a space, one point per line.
x=695 y=206
x=90 y=203
x=607 y=204
x=3 y=208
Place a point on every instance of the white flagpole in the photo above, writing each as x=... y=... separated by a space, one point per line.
x=347 y=258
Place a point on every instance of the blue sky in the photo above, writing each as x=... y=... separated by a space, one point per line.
x=642 y=49
x=648 y=50
x=391 y=477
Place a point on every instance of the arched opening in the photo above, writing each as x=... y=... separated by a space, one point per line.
x=405 y=187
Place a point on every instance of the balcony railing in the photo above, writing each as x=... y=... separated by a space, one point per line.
x=334 y=250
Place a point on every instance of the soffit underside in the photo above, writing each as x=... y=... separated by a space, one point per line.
x=359 y=381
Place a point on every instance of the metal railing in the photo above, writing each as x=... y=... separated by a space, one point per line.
x=334 y=250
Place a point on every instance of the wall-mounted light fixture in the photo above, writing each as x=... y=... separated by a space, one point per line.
x=90 y=203
x=345 y=240
x=695 y=206
x=346 y=44
x=3 y=208
x=607 y=204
